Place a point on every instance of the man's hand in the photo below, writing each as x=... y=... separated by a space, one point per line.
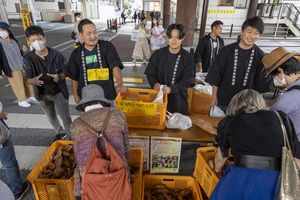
x=122 y=89
x=3 y=115
x=166 y=90
x=214 y=102
x=36 y=81
x=24 y=48
x=199 y=67
x=157 y=87
x=77 y=98
x=54 y=76
x=1 y=77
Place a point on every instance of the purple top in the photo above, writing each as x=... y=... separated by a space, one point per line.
x=289 y=103
x=116 y=133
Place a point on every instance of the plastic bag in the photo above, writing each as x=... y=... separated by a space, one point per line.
x=178 y=121
x=206 y=88
x=201 y=76
x=216 y=112
x=160 y=96
x=157 y=41
x=135 y=35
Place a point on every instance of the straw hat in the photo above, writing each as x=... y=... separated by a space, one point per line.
x=276 y=58
x=91 y=93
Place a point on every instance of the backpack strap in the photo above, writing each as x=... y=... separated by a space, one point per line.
x=295 y=87
x=92 y=130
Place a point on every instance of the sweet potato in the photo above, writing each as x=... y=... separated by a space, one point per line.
x=58 y=153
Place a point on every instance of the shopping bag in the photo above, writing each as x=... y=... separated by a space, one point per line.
x=216 y=112
x=135 y=35
x=157 y=41
x=160 y=96
x=178 y=121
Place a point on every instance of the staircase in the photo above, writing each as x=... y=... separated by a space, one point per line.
x=286 y=14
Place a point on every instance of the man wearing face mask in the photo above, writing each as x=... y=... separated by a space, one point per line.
x=77 y=17
x=282 y=63
x=11 y=63
x=45 y=69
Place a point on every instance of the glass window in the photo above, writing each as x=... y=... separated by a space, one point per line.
x=241 y=3
x=226 y=2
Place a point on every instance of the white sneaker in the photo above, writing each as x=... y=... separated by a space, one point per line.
x=31 y=99
x=24 y=104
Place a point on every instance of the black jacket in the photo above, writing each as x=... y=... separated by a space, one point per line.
x=58 y=65
x=4 y=66
x=203 y=51
x=157 y=72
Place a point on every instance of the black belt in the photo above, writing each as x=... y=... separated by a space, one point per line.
x=258 y=162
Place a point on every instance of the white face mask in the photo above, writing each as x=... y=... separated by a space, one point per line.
x=3 y=34
x=38 y=45
x=283 y=81
x=154 y=22
x=78 y=18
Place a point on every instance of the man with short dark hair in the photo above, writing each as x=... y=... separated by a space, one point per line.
x=238 y=66
x=95 y=62
x=45 y=69
x=208 y=47
x=173 y=67
x=282 y=64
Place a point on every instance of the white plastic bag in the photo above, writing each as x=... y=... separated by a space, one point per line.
x=216 y=112
x=135 y=35
x=206 y=88
x=201 y=76
x=160 y=96
x=178 y=121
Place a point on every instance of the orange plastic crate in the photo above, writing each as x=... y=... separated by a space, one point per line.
x=51 y=189
x=200 y=103
x=138 y=120
x=172 y=182
x=204 y=175
x=136 y=156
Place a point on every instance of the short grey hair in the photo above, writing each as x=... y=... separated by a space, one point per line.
x=248 y=100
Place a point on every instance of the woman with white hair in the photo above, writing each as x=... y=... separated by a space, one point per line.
x=255 y=137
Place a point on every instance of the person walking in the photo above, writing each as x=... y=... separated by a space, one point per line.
x=141 y=48
x=45 y=69
x=11 y=63
x=157 y=31
x=135 y=17
x=9 y=161
x=77 y=17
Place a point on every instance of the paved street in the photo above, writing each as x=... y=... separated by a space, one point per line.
x=31 y=131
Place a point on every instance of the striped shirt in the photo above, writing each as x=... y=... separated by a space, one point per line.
x=13 y=54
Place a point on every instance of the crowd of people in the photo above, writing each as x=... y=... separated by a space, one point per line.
x=239 y=73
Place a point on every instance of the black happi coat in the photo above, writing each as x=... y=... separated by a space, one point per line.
x=158 y=72
x=221 y=74
x=109 y=58
x=203 y=51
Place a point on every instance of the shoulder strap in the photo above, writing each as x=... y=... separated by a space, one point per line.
x=285 y=137
x=92 y=130
x=295 y=87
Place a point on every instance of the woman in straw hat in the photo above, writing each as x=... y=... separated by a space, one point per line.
x=283 y=65
x=255 y=137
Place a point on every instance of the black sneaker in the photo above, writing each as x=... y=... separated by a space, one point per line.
x=60 y=136
x=25 y=187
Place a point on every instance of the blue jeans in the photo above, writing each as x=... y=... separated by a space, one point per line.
x=10 y=165
x=224 y=108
